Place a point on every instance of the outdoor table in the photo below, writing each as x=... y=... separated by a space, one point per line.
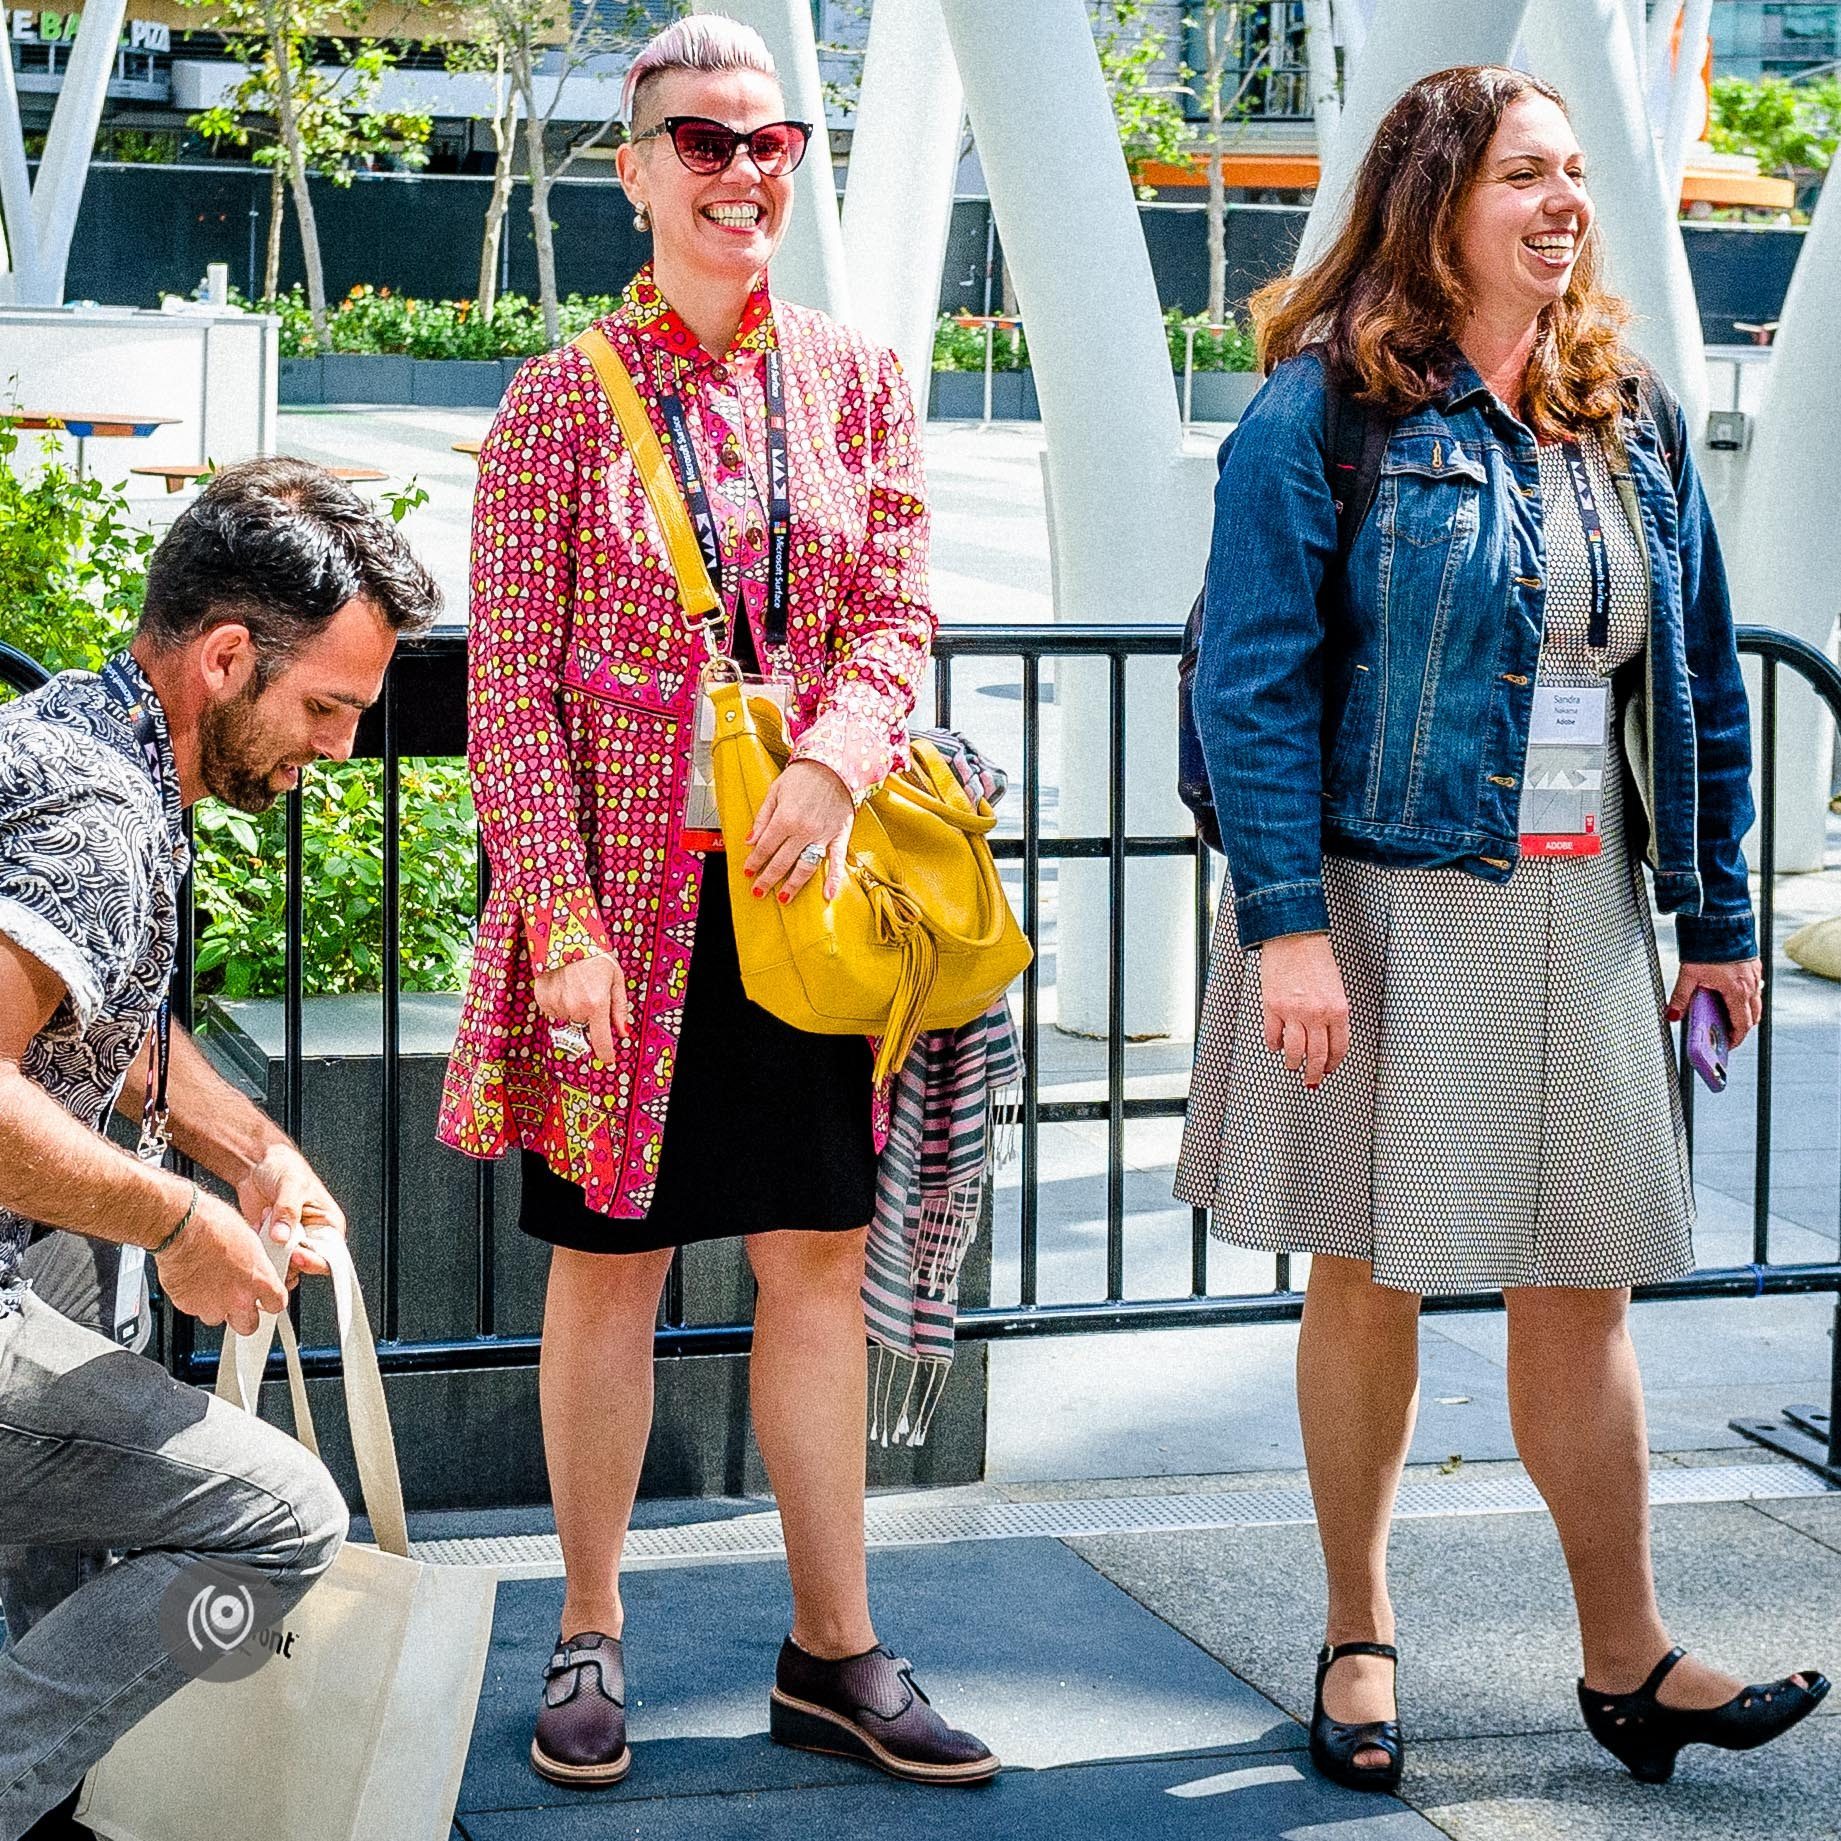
x=85 y=427
x=181 y=474
x=467 y=447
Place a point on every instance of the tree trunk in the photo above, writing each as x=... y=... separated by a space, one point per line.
x=540 y=225
x=287 y=123
x=1219 y=23
x=505 y=144
x=277 y=214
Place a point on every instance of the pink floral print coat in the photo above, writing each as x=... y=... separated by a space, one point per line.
x=581 y=688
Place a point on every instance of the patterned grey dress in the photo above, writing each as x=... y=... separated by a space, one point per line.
x=1506 y=1114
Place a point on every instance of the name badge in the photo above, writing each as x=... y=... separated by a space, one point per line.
x=702 y=828
x=1562 y=791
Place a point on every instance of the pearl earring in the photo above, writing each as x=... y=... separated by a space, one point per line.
x=642 y=219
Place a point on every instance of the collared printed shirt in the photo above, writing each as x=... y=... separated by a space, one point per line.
x=582 y=680
x=91 y=859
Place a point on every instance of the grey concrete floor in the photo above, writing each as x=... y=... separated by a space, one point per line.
x=1155 y=1684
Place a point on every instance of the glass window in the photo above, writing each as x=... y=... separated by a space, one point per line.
x=1267 y=64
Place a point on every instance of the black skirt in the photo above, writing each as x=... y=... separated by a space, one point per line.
x=767 y=1127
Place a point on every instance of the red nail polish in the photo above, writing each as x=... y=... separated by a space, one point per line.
x=784 y=897
x=758 y=893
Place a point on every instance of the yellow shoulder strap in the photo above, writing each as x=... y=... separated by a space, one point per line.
x=700 y=600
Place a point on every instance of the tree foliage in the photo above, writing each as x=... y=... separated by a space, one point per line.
x=1146 y=89
x=72 y=563
x=1789 y=128
x=541 y=45
x=324 y=121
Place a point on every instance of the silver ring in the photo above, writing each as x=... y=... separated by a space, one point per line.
x=813 y=854
x=570 y=1039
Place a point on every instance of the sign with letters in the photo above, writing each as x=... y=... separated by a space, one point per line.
x=32 y=28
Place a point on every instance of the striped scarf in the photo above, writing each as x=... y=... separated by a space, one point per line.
x=945 y=1104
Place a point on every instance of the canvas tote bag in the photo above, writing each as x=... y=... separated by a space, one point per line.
x=360 y=1731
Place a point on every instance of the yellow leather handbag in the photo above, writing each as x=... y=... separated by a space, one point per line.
x=922 y=935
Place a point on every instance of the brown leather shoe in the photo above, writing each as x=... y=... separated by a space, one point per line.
x=871 y=1707
x=581 y=1726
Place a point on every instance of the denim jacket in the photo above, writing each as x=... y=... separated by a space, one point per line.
x=1387 y=718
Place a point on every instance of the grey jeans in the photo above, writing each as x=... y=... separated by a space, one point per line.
x=102 y=1449
x=102 y=1286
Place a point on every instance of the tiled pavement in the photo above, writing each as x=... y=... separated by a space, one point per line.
x=1152 y=1684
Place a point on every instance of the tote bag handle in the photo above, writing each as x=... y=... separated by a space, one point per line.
x=239 y=1378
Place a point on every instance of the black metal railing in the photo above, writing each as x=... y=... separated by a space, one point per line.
x=422 y=713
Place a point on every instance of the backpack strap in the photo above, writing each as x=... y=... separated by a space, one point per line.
x=1660 y=405
x=1354 y=445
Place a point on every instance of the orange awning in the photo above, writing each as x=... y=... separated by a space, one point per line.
x=1284 y=171
x=1299 y=171
x=1759 y=191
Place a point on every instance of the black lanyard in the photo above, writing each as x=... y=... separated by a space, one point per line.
x=779 y=497
x=155 y=1134
x=1598 y=631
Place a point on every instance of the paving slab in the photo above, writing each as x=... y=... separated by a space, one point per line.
x=1205 y=1401
x=1820 y=1519
x=1563 y=1788
x=1021 y=1641
x=1238 y=1797
x=1488 y=1642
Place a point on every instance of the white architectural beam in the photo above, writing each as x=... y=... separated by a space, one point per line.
x=18 y=238
x=1686 y=100
x=904 y=158
x=1583 y=48
x=69 y=146
x=1320 y=44
x=1406 y=40
x=809 y=267
x=1786 y=565
x=1128 y=511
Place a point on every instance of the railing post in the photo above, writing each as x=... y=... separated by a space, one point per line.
x=990 y=345
x=1189 y=376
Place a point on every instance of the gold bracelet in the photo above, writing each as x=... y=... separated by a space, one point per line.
x=185 y=1221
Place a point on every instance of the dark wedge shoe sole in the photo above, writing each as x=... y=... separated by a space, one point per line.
x=804 y=1727
x=580 y=1776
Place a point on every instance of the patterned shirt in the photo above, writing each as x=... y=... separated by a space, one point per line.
x=91 y=859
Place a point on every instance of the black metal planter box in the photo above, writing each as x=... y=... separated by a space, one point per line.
x=470 y=1437
x=395 y=382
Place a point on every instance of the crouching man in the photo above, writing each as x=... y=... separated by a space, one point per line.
x=273 y=607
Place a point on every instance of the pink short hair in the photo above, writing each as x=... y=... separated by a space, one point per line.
x=707 y=42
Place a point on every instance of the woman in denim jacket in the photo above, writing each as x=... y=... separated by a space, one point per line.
x=1434 y=1053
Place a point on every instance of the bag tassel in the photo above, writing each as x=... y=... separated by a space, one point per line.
x=899 y=923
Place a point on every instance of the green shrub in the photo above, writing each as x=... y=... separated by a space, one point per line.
x=72 y=575
x=72 y=564
x=1232 y=349
x=958 y=345
x=240 y=883
x=380 y=322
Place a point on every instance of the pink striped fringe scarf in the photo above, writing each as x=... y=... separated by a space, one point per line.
x=947 y=1103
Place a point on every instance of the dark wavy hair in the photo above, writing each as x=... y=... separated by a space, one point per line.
x=1385 y=300
x=280 y=546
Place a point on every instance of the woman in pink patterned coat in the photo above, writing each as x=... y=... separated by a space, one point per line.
x=687 y=1113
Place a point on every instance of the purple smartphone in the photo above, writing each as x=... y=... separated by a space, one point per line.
x=1709 y=1037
